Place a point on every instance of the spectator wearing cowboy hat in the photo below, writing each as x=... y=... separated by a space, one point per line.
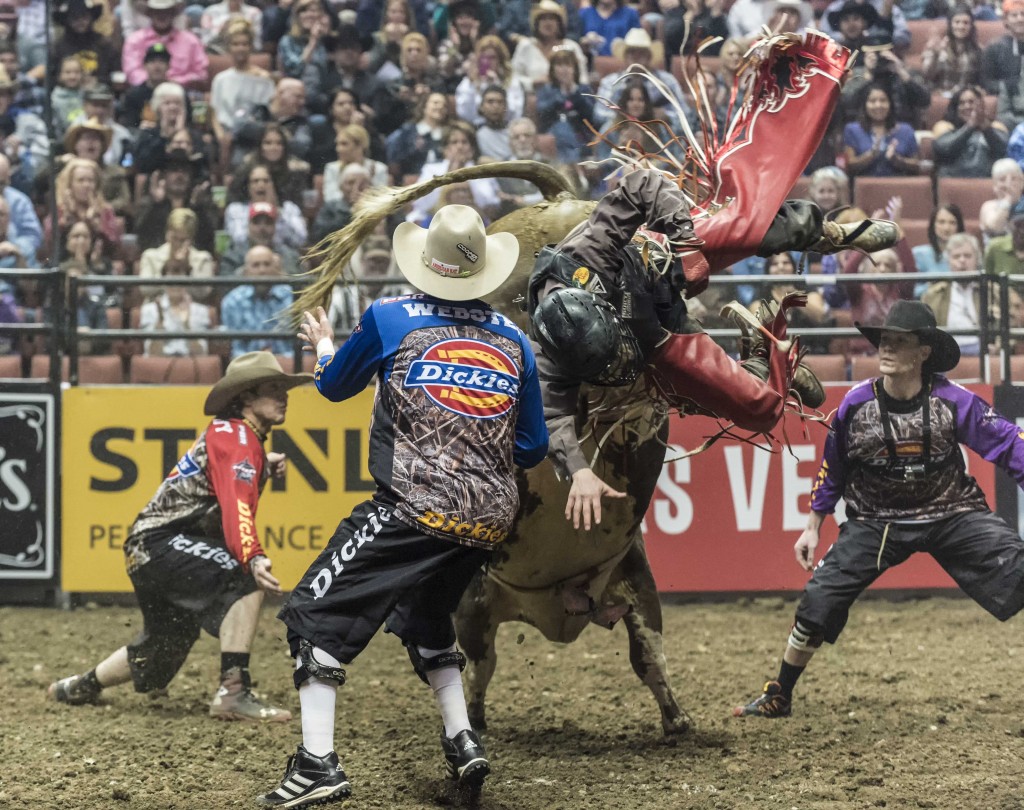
x=177 y=184
x=99 y=105
x=80 y=39
x=531 y=58
x=637 y=47
x=91 y=139
x=189 y=64
x=413 y=574
x=888 y=18
x=190 y=572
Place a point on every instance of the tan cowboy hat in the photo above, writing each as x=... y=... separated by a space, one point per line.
x=454 y=258
x=639 y=38
x=547 y=7
x=80 y=128
x=245 y=372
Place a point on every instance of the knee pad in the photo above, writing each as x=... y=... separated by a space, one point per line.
x=421 y=665
x=309 y=667
x=805 y=637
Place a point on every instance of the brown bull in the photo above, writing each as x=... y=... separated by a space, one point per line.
x=546 y=573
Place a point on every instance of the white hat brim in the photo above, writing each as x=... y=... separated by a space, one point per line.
x=409 y=242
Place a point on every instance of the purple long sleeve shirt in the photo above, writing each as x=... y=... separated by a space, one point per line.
x=856 y=464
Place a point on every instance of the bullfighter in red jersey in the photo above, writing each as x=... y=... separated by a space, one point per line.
x=193 y=554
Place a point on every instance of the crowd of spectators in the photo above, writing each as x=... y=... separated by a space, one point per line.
x=226 y=139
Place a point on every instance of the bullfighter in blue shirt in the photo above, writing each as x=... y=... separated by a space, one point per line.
x=458 y=404
x=893 y=453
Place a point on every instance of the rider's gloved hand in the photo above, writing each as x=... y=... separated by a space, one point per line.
x=696 y=271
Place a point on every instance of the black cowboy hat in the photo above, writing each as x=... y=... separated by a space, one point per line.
x=69 y=8
x=181 y=159
x=861 y=7
x=917 y=318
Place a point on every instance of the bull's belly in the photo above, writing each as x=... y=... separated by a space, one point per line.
x=544 y=549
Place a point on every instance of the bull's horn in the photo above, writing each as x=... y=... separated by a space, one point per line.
x=377 y=204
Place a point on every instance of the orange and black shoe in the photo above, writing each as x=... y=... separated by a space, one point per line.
x=771 y=703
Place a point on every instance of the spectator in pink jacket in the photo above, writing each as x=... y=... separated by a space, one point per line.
x=189 y=63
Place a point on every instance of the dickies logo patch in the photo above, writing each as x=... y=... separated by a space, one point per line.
x=467 y=377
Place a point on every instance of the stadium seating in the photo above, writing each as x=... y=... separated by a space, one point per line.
x=915 y=231
x=603 y=65
x=967 y=192
x=863 y=367
x=871 y=193
x=287 y=362
x=989 y=31
x=221 y=61
x=936 y=110
x=969 y=370
x=10 y=366
x=827 y=367
x=200 y=370
x=92 y=369
x=921 y=31
x=801 y=190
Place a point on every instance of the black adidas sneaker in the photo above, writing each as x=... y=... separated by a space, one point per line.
x=309 y=781
x=465 y=758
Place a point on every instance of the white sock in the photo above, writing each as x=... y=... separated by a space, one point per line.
x=451 y=700
x=317 y=699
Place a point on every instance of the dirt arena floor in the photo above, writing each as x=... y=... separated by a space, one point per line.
x=920 y=706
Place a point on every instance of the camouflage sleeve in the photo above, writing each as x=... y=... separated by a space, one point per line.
x=560 y=399
x=235 y=468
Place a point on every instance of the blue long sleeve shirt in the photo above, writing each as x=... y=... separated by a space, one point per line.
x=457 y=405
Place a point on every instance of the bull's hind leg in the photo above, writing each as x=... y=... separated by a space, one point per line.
x=643 y=623
x=479 y=613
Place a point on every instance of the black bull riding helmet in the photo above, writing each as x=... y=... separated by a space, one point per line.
x=586 y=340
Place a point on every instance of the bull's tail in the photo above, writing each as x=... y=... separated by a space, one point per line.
x=377 y=204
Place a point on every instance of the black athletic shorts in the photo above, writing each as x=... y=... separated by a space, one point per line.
x=188 y=584
x=977 y=549
x=378 y=570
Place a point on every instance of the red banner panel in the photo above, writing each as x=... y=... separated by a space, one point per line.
x=726 y=519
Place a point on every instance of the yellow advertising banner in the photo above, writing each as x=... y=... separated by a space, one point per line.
x=120 y=443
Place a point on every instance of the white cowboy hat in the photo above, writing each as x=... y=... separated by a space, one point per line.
x=638 y=38
x=246 y=372
x=802 y=9
x=454 y=258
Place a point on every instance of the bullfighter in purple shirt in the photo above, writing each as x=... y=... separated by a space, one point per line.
x=893 y=454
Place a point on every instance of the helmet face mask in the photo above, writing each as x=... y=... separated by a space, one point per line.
x=585 y=339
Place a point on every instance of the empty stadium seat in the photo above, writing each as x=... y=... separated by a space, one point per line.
x=936 y=110
x=863 y=367
x=92 y=369
x=801 y=189
x=969 y=370
x=988 y=31
x=200 y=370
x=1017 y=369
x=287 y=362
x=222 y=61
x=967 y=192
x=10 y=366
x=923 y=30
x=603 y=65
x=871 y=193
x=827 y=367
x=915 y=231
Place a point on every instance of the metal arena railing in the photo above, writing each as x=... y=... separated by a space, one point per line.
x=996 y=290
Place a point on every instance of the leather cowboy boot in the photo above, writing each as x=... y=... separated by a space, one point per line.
x=754 y=347
x=693 y=372
x=867 y=235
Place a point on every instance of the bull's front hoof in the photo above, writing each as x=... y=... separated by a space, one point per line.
x=678 y=722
